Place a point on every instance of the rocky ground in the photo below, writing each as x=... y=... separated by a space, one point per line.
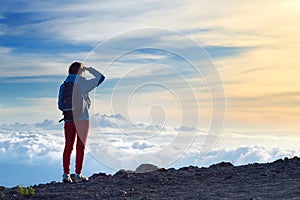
x=277 y=180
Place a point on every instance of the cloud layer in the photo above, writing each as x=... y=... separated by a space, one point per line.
x=119 y=143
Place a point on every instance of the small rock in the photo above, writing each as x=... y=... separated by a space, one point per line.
x=189 y=168
x=222 y=164
x=122 y=174
x=228 y=177
x=263 y=174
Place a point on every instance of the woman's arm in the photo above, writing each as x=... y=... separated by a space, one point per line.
x=94 y=82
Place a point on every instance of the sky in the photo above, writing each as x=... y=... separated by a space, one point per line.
x=217 y=80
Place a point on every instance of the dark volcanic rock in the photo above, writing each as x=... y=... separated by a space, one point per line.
x=146 y=168
x=222 y=164
x=277 y=180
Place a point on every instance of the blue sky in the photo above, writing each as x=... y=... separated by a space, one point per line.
x=41 y=39
x=247 y=53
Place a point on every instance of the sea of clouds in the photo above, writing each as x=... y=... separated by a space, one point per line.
x=32 y=153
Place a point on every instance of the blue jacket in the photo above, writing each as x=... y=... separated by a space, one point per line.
x=85 y=85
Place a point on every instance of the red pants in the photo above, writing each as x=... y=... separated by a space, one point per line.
x=72 y=129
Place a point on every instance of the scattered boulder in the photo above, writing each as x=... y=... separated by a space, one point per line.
x=143 y=168
x=222 y=164
x=122 y=173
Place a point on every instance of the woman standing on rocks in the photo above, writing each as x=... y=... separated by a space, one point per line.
x=73 y=100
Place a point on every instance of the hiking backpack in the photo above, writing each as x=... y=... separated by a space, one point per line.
x=72 y=101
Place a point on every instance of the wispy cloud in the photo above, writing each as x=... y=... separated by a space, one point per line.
x=254 y=54
x=29 y=110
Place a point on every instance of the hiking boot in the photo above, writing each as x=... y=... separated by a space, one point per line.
x=80 y=178
x=67 y=178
